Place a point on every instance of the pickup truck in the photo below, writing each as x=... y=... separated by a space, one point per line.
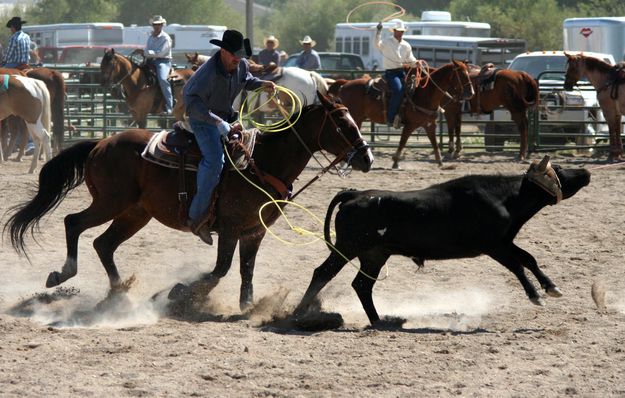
x=560 y=121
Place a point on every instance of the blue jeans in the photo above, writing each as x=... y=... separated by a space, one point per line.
x=162 y=71
x=210 y=167
x=395 y=80
x=12 y=64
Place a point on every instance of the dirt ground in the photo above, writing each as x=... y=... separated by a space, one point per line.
x=470 y=329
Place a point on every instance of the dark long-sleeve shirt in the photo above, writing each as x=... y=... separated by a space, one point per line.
x=210 y=92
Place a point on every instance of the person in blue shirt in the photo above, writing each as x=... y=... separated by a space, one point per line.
x=208 y=98
x=17 y=53
x=308 y=59
x=269 y=54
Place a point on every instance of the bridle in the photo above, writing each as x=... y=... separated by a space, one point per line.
x=113 y=62
x=351 y=148
x=450 y=98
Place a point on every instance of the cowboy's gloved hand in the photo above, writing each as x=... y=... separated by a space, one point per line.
x=379 y=27
x=235 y=132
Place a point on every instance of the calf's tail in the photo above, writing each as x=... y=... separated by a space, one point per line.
x=340 y=197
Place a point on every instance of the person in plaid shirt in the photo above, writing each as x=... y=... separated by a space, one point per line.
x=18 y=50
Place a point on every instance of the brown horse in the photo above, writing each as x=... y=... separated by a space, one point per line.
x=56 y=87
x=610 y=85
x=130 y=191
x=420 y=109
x=29 y=100
x=514 y=90
x=142 y=99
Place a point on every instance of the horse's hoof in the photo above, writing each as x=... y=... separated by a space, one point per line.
x=179 y=292
x=538 y=301
x=554 y=292
x=54 y=279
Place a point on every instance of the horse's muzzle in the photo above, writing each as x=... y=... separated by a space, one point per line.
x=361 y=158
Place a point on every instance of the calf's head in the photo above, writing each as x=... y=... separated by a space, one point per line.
x=558 y=182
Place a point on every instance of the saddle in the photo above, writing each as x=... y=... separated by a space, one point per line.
x=271 y=72
x=178 y=149
x=485 y=78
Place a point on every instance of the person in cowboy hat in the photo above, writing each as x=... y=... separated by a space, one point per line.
x=158 y=53
x=270 y=53
x=308 y=59
x=18 y=50
x=397 y=53
x=208 y=98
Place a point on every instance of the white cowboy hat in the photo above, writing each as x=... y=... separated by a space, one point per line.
x=308 y=40
x=399 y=26
x=273 y=39
x=158 y=20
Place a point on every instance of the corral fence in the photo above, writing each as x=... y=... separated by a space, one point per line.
x=94 y=112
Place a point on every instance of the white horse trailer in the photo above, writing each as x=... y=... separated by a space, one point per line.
x=358 y=38
x=602 y=35
x=76 y=34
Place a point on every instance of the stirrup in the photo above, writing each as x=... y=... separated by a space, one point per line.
x=397 y=122
x=203 y=231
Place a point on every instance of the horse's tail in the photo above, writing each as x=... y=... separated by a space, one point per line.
x=57 y=178
x=529 y=96
x=58 y=109
x=45 y=99
x=338 y=198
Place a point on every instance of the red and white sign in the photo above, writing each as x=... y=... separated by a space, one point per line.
x=585 y=32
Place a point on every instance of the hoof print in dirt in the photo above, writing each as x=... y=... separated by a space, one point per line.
x=318 y=321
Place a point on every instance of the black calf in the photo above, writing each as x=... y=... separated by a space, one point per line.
x=465 y=217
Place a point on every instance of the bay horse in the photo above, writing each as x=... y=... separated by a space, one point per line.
x=29 y=100
x=116 y=70
x=420 y=108
x=55 y=84
x=516 y=91
x=130 y=191
x=609 y=81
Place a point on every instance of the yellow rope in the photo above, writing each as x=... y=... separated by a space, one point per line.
x=282 y=125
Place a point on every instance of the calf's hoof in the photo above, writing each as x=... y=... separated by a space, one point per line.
x=538 y=301
x=554 y=292
x=54 y=279
x=179 y=292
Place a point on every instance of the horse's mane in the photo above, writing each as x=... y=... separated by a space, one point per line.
x=597 y=64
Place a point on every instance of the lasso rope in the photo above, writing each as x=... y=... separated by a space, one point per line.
x=282 y=125
x=298 y=230
x=400 y=12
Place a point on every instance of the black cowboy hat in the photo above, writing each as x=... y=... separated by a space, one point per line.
x=233 y=42
x=15 y=21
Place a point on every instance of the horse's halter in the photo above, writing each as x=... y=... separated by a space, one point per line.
x=571 y=69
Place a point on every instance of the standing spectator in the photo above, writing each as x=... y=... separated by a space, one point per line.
x=269 y=54
x=17 y=53
x=397 y=54
x=308 y=59
x=283 y=57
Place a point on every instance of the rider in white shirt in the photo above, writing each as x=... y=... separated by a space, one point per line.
x=397 y=53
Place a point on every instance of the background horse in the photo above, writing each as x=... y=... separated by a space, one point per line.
x=610 y=86
x=115 y=70
x=56 y=87
x=420 y=106
x=28 y=99
x=514 y=90
x=130 y=191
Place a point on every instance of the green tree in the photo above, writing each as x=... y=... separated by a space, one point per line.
x=191 y=12
x=57 y=11
x=537 y=21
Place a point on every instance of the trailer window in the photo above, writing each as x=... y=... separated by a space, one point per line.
x=356 y=45
x=365 y=46
x=347 y=45
x=338 y=44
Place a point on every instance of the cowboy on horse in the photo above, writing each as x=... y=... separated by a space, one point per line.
x=208 y=97
x=17 y=53
x=396 y=53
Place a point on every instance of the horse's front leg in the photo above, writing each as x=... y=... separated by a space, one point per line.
x=430 y=129
x=37 y=151
x=520 y=118
x=248 y=248
x=405 y=134
x=199 y=289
